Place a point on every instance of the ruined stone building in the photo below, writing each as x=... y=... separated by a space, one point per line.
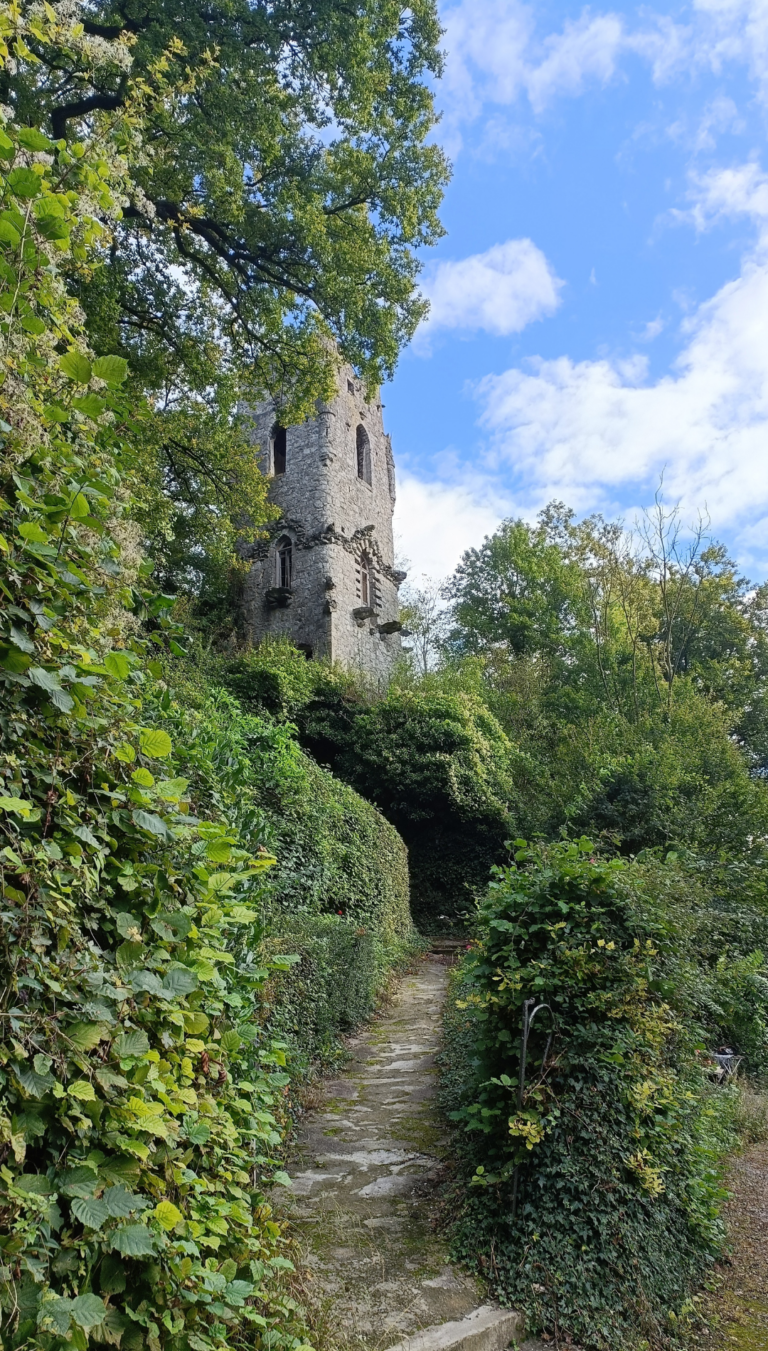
x=325 y=578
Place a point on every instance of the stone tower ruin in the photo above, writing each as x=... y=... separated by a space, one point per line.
x=325 y=578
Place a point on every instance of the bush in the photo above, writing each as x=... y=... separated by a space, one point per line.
x=443 y=772
x=335 y=852
x=593 y=1205
x=330 y=990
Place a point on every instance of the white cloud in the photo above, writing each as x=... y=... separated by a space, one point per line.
x=436 y=522
x=494 y=57
x=586 y=49
x=589 y=430
x=499 y=291
x=738 y=191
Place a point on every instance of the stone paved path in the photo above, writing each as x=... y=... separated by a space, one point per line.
x=364 y=1172
x=739 y=1308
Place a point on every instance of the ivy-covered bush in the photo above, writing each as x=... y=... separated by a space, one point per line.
x=593 y=1203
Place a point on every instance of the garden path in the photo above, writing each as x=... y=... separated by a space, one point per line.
x=365 y=1173
x=738 y=1311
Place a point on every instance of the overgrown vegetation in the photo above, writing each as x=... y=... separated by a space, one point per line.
x=142 y=1072
x=596 y=1189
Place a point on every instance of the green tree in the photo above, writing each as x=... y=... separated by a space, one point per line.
x=283 y=185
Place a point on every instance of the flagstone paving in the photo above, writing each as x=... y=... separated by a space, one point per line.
x=365 y=1171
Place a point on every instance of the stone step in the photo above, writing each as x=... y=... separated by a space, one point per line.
x=485 y=1329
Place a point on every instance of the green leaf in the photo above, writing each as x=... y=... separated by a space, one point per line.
x=231 y=1041
x=86 y=1035
x=51 y=228
x=32 y=139
x=172 y=790
x=111 y=1275
x=24 y=183
x=90 y=404
x=131 y=1044
x=20 y=805
x=218 y=851
x=79 y=1181
x=50 y=683
x=88 y=1311
x=83 y=1090
x=32 y=532
x=120 y=1169
x=76 y=367
x=198 y=1133
x=172 y=924
x=133 y=1240
x=36 y=1085
x=91 y=1212
x=154 y=825
x=155 y=743
x=121 y=1203
x=124 y=751
x=143 y=778
x=8 y=234
x=180 y=981
x=168 y=1215
x=112 y=369
x=79 y=508
x=118 y=665
x=128 y=926
x=33 y=1184
x=21 y=640
x=59 y=1311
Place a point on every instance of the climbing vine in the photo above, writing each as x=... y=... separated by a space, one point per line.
x=594 y=1193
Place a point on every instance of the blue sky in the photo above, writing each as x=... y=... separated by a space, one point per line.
x=600 y=300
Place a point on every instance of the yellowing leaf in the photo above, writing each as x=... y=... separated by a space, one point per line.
x=167 y=1214
x=83 y=1090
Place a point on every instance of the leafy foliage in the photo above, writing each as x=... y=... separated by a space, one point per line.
x=135 y=1127
x=442 y=770
x=596 y=1196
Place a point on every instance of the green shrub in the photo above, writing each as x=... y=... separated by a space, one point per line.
x=441 y=769
x=137 y=1096
x=335 y=852
x=332 y=988
x=594 y=1205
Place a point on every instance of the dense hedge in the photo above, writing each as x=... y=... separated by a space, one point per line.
x=313 y=1002
x=336 y=854
x=141 y=1086
x=594 y=1205
x=436 y=763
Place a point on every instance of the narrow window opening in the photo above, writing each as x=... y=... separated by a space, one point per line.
x=350 y=387
x=284 y=564
x=366 y=581
x=279 y=449
x=363 y=454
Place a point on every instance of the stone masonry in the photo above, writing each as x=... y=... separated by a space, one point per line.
x=325 y=577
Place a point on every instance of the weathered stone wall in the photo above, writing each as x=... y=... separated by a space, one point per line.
x=336 y=521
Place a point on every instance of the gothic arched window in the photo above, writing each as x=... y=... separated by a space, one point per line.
x=284 y=563
x=279 y=449
x=366 y=580
x=363 y=454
